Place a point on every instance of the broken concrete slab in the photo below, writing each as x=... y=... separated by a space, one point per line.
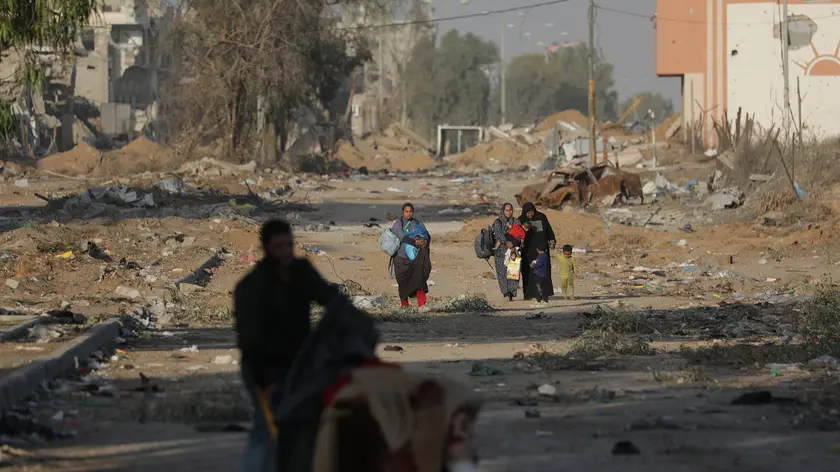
x=127 y=292
x=727 y=198
x=19 y=384
x=727 y=158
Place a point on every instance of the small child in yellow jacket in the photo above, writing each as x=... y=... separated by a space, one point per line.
x=568 y=272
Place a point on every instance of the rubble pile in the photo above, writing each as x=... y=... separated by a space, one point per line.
x=557 y=140
x=395 y=149
x=497 y=155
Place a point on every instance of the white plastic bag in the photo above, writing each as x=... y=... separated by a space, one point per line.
x=389 y=242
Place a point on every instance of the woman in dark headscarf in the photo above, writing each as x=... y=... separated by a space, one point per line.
x=412 y=264
x=501 y=227
x=539 y=234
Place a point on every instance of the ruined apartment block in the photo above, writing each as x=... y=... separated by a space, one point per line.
x=729 y=56
x=119 y=72
x=378 y=82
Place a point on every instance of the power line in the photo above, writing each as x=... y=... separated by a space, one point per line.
x=456 y=17
x=655 y=17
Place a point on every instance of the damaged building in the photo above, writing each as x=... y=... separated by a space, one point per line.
x=111 y=88
x=120 y=71
x=729 y=56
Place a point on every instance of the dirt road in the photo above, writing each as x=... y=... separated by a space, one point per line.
x=674 y=406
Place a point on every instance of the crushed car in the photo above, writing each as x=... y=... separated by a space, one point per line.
x=582 y=186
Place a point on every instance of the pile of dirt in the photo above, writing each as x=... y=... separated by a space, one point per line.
x=411 y=163
x=141 y=155
x=383 y=158
x=496 y=154
x=83 y=159
x=569 y=116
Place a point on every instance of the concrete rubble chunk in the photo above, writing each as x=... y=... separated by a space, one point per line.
x=368 y=302
x=727 y=158
x=42 y=334
x=172 y=185
x=12 y=284
x=727 y=198
x=189 y=288
x=128 y=292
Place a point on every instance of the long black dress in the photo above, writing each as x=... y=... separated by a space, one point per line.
x=411 y=275
x=500 y=229
x=539 y=233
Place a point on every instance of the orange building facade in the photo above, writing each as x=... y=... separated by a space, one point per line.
x=729 y=56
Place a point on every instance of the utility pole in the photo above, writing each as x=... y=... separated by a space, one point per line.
x=381 y=91
x=785 y=65
x=593 y=155
x=502 y=64
x=381 y=69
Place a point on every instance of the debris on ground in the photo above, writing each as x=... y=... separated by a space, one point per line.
x=726 y=199
x=467 y=304
x=479 y=369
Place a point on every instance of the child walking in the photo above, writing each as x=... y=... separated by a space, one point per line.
x=541 y=267
x=568 y=272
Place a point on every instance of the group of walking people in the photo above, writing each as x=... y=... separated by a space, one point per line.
x=529 y=256
x=524 y=246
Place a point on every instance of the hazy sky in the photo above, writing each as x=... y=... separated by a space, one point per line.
x=626 y=41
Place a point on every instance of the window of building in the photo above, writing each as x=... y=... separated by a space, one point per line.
x=356 y=110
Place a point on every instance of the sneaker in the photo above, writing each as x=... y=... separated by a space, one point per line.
x=424 y=309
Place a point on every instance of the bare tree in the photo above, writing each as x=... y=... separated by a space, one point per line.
x=240 y=65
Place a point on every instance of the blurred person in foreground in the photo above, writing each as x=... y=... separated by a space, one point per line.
x=272 y=313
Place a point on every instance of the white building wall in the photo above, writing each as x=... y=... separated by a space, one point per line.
x=754 y=66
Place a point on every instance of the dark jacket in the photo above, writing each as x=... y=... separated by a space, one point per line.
x=542 y=266
x=272 y=317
